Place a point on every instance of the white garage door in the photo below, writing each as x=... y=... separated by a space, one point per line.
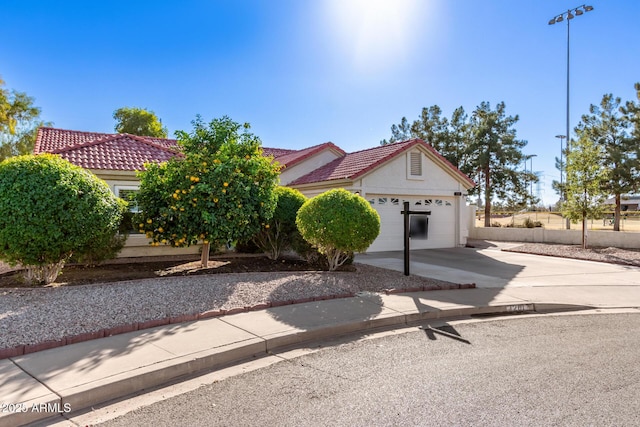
x=442 y=222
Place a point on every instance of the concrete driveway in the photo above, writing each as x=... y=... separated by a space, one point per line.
x=522 y=275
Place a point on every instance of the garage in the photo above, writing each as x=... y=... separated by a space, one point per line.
x=389 y=175
x=441 y=229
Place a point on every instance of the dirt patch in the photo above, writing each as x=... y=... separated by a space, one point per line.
x=123 y=269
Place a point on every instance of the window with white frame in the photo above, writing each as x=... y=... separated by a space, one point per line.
x=127 y=193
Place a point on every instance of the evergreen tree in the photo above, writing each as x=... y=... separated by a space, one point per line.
x=399 y=132
x=607 y=126
x=494 y=150
x=585 y=183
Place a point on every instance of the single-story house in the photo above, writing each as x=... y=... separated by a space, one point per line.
x=386 y=176
x=628 y=202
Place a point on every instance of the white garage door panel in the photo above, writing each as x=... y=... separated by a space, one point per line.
x=441 y=222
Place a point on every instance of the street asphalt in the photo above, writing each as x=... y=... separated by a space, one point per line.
x=542 y=370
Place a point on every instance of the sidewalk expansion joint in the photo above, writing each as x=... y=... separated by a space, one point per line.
x=37 y=380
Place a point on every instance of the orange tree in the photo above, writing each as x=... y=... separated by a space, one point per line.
x=221 y=189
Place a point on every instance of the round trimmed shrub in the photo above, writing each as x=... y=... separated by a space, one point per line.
x=281 y=232
x=51 y=210
x=338 y=223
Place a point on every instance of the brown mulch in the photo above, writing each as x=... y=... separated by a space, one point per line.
x=145 y=268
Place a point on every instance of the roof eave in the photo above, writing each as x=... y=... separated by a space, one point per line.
x=319 y=184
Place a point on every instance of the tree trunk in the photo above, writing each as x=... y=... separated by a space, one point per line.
x=45 y=274
x=487 y=199
x=204 y=259
x=584 y=232
x=616 y=215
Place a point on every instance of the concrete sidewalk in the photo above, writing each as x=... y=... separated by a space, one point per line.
x=75 y=377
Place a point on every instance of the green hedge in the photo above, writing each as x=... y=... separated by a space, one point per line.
x=51 y=210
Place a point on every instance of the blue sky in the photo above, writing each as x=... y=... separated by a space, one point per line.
x=307 y=72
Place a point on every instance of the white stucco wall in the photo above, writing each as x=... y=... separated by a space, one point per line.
x=597 y=238
x=306 y=166
x=392 y=178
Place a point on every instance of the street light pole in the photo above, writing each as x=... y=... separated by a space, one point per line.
x=562 y=192
x=531 y=183
x=569 y=15
x=562 y=137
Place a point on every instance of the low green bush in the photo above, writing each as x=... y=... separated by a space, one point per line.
x=281 y=232
x=96 y=254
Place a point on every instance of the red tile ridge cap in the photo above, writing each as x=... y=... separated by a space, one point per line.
x=57 y=132
x=394 y=150
x=352 y=158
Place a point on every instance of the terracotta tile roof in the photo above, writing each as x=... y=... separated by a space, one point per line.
x=106 y=151
x=94 y=150
x=50 y=139
x=353 y=165
x=296 y=156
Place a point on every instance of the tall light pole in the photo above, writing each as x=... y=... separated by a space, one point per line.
x=531 y=190
x=562 y=137
x=562 y=193
x=569 y=15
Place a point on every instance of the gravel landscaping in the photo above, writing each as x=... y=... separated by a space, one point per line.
x=36 y=315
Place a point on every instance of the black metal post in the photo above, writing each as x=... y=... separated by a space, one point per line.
x=406 y=238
